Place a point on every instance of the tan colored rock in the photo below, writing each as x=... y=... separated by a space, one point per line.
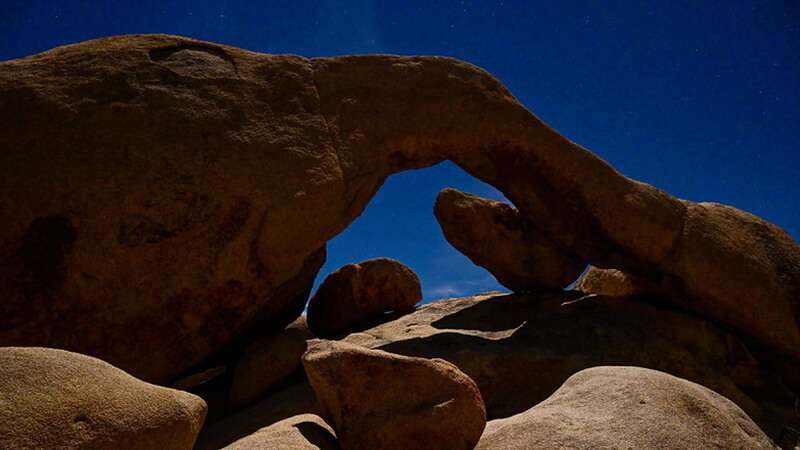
x=303 y=432
x=267 y=363
x=611 y=282
x=375 y=399
x=212 y=177
x=627 y=407
x=494 y=236
x=741 y=271
x=56 y=399
x=356 y=293
x=520 y=348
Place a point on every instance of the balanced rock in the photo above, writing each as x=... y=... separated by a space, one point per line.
x=268 y=362
x=301 y=432
x=496 y=237
x=627 y=407
x=375 y=399
x=356 y=293
x=56 y=399
x=212 y=177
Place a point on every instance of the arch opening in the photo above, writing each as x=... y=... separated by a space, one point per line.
x=398 y=222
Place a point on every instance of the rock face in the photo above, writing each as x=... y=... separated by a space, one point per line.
x=56 y=399
x=627 y=407
x=302 y=432
x=267 y=363
x=212 y=177
x=520 y=348
x=741 y=271
x=374 y=399
x=358 y=292
x=494 y=236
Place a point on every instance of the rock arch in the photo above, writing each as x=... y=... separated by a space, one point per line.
x=247 y=167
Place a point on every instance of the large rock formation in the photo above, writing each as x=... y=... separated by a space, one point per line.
x=356 y=293
x=57 y=399
x=211 y=177
x=520 y=348
x=375 y=399
x=494 y=235
x=628 y=407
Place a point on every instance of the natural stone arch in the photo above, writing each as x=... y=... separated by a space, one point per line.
x=232 y=176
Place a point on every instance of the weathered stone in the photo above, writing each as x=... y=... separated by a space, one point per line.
x=291 y=402
x=267 y=363
x=356 y=293
x=520 y=348
x=494 y=236
x=56 y=399
x=627 y=407
x=611 y=282
x=741 y=271
x=302 y=432
x=375 y=399
x=211 y=178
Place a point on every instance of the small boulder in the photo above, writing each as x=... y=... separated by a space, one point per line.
x=495 y=236
x=610 y=282
x=627 y=407
x=375 y=399
x=57 y=399
x=267 y=363
x=358 y=292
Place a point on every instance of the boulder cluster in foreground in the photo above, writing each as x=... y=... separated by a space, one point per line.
x=166 y=205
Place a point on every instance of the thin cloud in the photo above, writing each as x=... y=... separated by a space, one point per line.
x=444 y=291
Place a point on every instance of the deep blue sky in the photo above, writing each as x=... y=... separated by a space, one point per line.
x=696 y=97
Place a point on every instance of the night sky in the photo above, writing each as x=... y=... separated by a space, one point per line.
x=699 y=98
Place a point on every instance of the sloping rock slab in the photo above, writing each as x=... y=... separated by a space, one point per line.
x=520 y=348
x=628 y=407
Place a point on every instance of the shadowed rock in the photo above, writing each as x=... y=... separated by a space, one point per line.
x=520 y=348
x=301 y=432
x=267 y=363
x=356 y=293
x=627 y=407
x=211 y=178
x=494 y=236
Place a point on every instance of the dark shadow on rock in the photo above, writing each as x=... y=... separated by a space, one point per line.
x=552 y=336
x=492 y=314
x=369 y=323
x=318 y=435
x=291 y=401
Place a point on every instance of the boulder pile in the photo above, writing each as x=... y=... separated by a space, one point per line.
x=211 y=179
